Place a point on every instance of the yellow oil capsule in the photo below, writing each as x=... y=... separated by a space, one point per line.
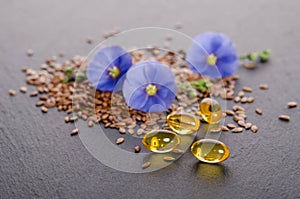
x=183 y=123
x=210 y=111
x=210 y=150
x=161 y=141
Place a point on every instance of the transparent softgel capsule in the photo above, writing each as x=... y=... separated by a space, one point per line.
x=183 y=123
x=210 y=111
x=161 y=141
x=210 y=150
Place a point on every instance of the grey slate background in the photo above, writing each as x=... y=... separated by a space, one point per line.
x=38 y=158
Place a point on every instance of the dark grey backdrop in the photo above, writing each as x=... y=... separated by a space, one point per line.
x=38 y=158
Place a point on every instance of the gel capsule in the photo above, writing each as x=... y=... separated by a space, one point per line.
x=161 y=141
x=210 y=110
x=183 y=123
x=210 y=151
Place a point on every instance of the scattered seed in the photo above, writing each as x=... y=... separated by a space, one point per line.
x=216 y=129
x=237 y=108
x=140 y=131
x=44 y=109
x=122 y=130
x=231 y=126
x=23 y=89
x=73 y=119
x=89 y=40
x=177 y=151
x=258 y=111
x=247 y=89
x=12 y=92
x=292 y=104
x=169 y=158
x=74 y=132
x=44 y=97
x=61 y=54
x=248 y=125
x=67 y=119
x=254 y=129
x=90 y=123
x=284 y=118
x=264 y=86
x=250 y=99
x=249 y=65
x=178 y=25
x=131 y=131
x=120 y=140
x=33 y=94
x=236 y=118
x=237 y=130
x=137 y=149
x=242 y=116
x=169 y=37
x=224 y=128
x=29 y=52
x=237 y=99
x=241 y=123
x=229 y=112
x=241 y=94
x=146 y=165
x=39 y=103
x=244 y=99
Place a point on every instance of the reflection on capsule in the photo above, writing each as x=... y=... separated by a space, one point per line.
x=183 y=123
x=210 y=110
x=210 y=150
x=161 y=141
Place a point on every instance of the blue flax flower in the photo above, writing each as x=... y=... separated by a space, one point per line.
x=149 y=86
x=107 y=67
x=213 y=55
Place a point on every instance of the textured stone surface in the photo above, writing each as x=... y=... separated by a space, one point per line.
x=40 y=160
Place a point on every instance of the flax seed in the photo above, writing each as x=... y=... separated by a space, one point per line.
x=33 y=94
x=146 y=165
x=23 y=89
x=40 y=103
x=284 y=118
x=169 y=158
x=244 y=100
x=248 y=125
x=231 y=126
x=44 y=109
x=137 y=149
x=177 y=151
x=247 y=89
x=237 y=99
x=241 y=94
x=229 y=112
x=29 y=52
x=241 y=123
x=120 y=140
x=12 y=92
x=237 y=130
x=292 y=104
x=216 y=129
x=122 y=130
x=250 y=99
x=264 y=86
x=258 y=111
x=224 y=128
x=74 y=132
x=254 y=129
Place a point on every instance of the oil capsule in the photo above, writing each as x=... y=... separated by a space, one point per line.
x=210 y=150
x=161 y=141
x=183 y=123
x=210 y=110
